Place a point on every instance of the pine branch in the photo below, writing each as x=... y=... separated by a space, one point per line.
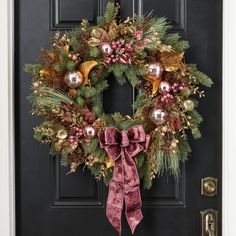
x=49 y=98
x=59 y=67
x=71 y=65
x=33 y=69
x=132 y=75
x=159 y=25
x=110 y=12
x=94 y=52
x=141 y=101
x=200 y=77
x=183 y=147
x=175 y=42
x=119 y=72
x=86 y=91
x=74 y=33
x=109 y=15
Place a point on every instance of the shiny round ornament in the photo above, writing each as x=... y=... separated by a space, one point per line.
x=164 y=87
x=155 y=69
x=89 y=131
x=74 y=79
x=157 y=115
x=62 y=134
x=189 y=105
x=186 y=92
x=35 y=85
x=106 y=49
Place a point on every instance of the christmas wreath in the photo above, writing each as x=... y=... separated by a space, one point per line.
x=67 y=92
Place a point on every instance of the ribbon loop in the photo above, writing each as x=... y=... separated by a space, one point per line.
x=121 y=147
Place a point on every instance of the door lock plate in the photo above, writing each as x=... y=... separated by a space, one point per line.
x=209 y=186
x=209 y=222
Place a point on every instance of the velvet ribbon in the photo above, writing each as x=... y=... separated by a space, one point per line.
x=122 y=146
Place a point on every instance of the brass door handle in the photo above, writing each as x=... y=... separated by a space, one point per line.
x=209 y=222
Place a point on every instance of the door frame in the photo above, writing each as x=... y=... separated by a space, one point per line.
x=7 y=168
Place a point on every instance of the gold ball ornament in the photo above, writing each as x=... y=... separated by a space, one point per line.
x=74 y=79
x=186 y=92
x=35 y=85
x=74 y=57
x=164 y=129
x=62 y=134
x=189 y=105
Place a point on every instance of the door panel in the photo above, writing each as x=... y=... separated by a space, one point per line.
x=48 y=201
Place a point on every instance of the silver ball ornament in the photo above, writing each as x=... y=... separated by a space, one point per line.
x=106 y=49
x=155 y=69
x=189 y=105
x=164 y=87
x=74 y=79
x=89 y=131
x=157 y=116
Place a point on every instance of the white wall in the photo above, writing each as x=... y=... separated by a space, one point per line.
x=229 y=117
x=6 y=124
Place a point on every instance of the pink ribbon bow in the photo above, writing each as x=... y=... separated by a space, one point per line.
x=122 y=147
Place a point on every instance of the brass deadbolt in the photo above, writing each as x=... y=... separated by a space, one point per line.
x=209 y=186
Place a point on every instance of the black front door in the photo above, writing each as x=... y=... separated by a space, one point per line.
x=49 y=203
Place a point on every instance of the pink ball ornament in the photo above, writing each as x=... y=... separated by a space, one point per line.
x=106 y=49
x=89 y=131
x=157 y=116
x=164 y=87
x=155 y=69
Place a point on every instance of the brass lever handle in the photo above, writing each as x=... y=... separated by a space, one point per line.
x=209 y=222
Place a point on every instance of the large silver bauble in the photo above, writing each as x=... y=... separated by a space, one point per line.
x=74 y=79
x=155 y=69
x=157 y=116
x=106 y=49
x=189 y=105
x=164 y=87
x=89 y=131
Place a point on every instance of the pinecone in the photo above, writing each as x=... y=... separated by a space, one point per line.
x=146 y=86
x=72 y=93
x=99 y=124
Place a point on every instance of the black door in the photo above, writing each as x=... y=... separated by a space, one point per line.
x=49 y=203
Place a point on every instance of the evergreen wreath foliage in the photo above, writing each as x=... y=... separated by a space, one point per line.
x=128 y=50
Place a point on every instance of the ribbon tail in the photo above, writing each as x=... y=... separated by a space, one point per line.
x=132 y=196
x=133 y=207
x=115 y=198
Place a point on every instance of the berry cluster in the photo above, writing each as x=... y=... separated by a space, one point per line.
x=121 y=53
x=178 y=87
